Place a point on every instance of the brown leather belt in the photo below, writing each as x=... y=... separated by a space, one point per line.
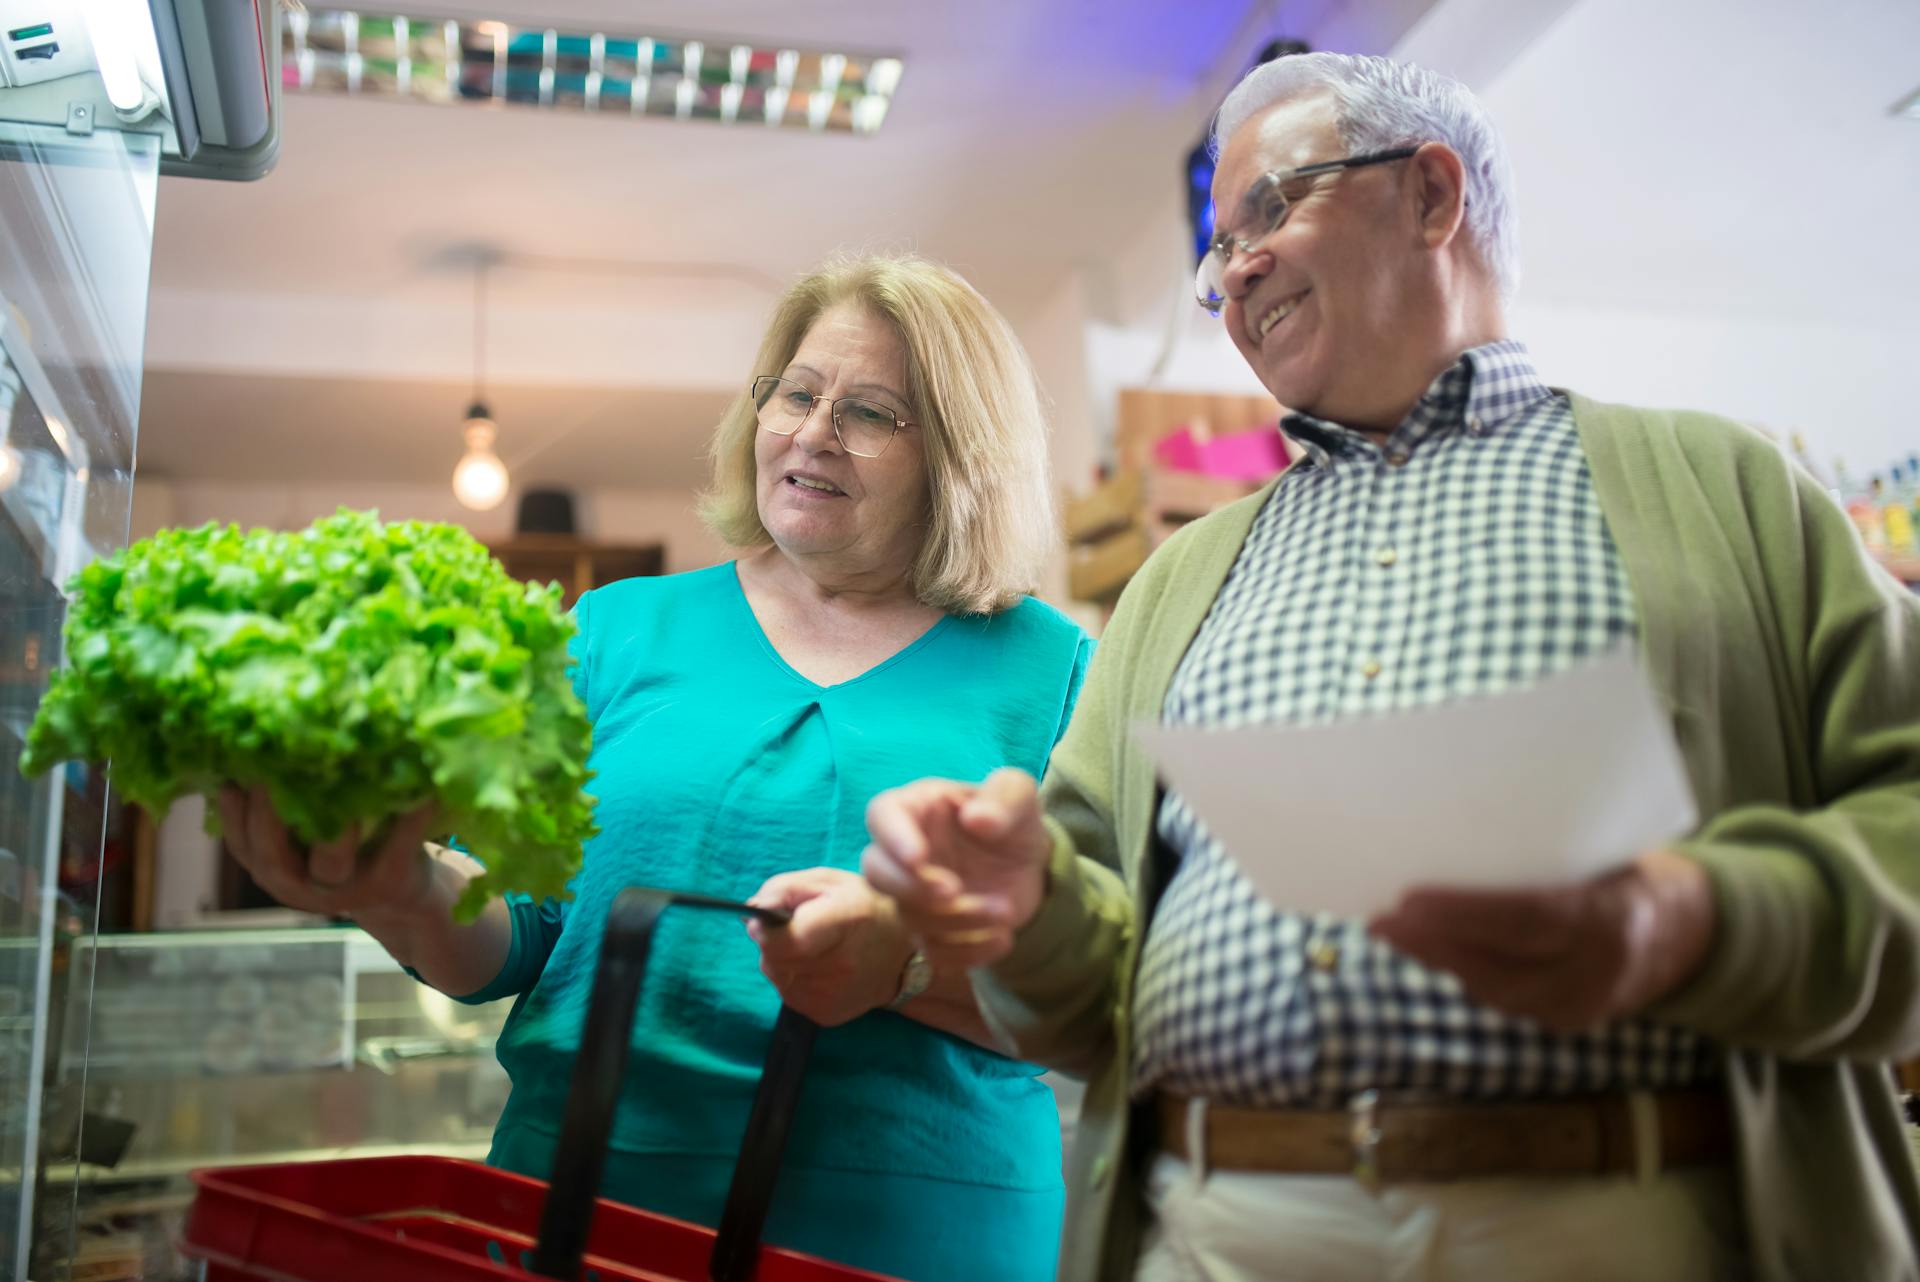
x=1399 y=1143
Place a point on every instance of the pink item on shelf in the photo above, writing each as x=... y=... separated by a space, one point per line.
x=1252 y=455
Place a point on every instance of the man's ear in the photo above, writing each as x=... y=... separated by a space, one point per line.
x=1439 y=195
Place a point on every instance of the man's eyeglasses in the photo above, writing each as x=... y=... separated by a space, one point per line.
x=862 y=427
x=1262 y=210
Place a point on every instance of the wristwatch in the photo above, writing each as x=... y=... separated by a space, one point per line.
x=915 y=976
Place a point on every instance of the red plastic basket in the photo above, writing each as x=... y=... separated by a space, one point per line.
x=434 y=1219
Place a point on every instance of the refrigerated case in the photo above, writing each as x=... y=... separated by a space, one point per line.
x=97 y=97
x=222 y=1047
x=76 y=222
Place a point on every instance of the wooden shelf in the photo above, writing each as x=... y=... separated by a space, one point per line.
x=577 y=564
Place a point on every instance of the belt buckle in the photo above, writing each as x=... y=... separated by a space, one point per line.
x=1363 y=1134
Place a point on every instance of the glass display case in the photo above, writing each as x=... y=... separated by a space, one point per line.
x=76 y=237
x=218 y=1047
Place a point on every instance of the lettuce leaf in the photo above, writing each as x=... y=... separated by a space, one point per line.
x=354 y=669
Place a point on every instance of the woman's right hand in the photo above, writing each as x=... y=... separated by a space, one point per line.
x=334 y=878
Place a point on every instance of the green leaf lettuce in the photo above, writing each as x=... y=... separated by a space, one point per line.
x=354 y=669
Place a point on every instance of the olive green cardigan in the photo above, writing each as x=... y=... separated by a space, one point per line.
x=1791 y=667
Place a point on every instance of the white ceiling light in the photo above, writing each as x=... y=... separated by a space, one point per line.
x=480 y=478
x=832 y=67
x=883 y=77
x=868 y=113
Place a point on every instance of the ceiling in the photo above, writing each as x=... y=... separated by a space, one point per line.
x=1732 y=159
x=1030 y=141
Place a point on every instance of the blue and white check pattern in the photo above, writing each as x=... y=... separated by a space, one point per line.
x=1466 y=556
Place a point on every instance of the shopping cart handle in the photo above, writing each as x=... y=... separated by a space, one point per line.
x=736 y=1246
x=580 y=1157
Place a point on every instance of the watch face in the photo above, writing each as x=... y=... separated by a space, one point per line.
x=915 y=976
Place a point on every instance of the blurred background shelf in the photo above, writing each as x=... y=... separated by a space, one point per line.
x=1905 y=566
x=577 y=564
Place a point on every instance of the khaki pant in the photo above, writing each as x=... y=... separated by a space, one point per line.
x=1239 y=1226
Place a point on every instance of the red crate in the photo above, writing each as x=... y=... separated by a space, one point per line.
x=433 y=1219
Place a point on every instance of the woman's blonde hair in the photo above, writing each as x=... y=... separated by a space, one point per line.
x=978 y=408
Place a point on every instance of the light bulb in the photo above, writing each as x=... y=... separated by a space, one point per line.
x=119 y=28
x=480 y=478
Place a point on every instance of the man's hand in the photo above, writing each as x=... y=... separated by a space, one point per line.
x=841 y=955
x=966 y=863
x=1569 y=957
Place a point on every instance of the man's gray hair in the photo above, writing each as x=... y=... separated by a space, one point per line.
x=1379 y=104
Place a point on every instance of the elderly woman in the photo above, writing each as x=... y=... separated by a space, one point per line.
x=884 y=477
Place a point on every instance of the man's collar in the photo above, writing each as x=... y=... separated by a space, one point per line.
x=1483 y=388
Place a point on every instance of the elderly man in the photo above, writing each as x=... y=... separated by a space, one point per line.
x=1677 y=1071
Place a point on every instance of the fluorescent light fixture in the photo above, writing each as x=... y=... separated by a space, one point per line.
x=832 y=67
x=486 y=61
x=1908 y=106
x=118 y=28
x=883 y=77
x=868 y=113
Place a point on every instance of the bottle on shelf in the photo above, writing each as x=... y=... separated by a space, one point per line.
x=1869 y=514
x=1863 y=508
x=1913 y=493
x=1897 y=512
x=1804 y=459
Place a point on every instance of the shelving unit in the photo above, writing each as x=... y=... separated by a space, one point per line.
x=1113 y=529
x=577 y=564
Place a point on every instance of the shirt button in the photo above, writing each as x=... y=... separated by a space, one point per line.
x=1475 y=423
x=1324 y=955
x=1386 y=556
x=1370 y=669
x=1102 y=1167
x=1398 y=458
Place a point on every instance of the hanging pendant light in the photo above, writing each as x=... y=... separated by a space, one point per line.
x=480 y=478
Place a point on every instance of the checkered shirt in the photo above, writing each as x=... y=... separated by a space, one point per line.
x=1466 y=556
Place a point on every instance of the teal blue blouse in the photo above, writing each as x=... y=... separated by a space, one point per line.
x=914 y=1153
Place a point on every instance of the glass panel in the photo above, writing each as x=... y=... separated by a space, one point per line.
x=76 y=241
x=221 y=1047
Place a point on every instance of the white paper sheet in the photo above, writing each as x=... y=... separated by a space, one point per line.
x=1555 y=782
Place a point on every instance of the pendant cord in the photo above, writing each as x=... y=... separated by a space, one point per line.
x=479 y=328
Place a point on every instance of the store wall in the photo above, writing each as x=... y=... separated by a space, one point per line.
x=1844 y=388
x=610 y=515
x=1656 y=270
